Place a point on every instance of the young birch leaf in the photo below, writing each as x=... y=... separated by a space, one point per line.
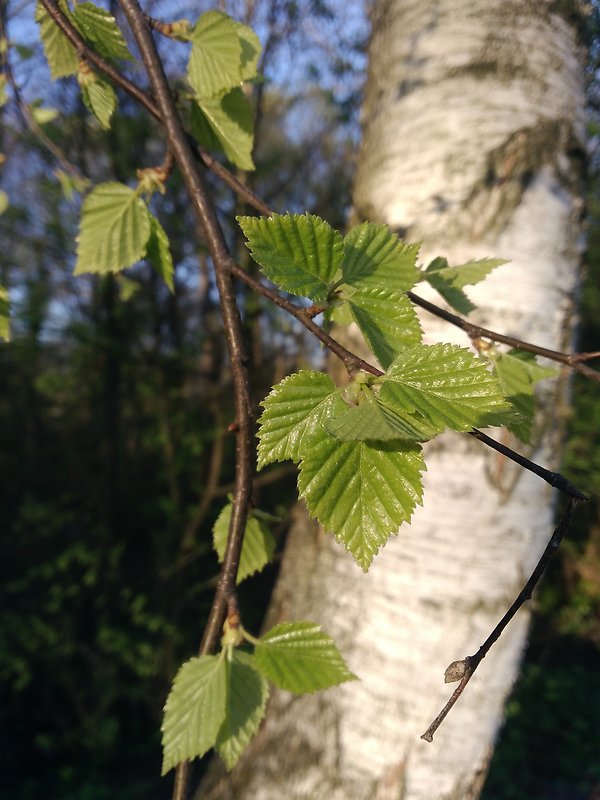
x=300 y=658
x=100 y=99
x=101 y=30
x=374 y=257
x=360 y=491
x=258 y=546
x=301 y=253
x=224 y=122
x=448 y=385
x=518 y=373
x=247 y=694
x=215 y=60
x=251 y=50
x=372 y=420
x=195 y=710
x=4 y=314
x=387 y=320
x=449 y=281
x=60 y=54
x=115 y=227
x=158 y=253
x=292 y=412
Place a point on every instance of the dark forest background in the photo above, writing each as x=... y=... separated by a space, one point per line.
x=115 y=455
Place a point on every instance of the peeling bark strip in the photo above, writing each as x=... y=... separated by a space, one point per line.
x=473 y=140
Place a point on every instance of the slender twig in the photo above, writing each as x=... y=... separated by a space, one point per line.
x=553 y=478
x=465 y=668
x=572 y=360
x=221 y=258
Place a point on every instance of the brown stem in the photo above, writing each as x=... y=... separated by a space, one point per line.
x=467 y=666
x=221 y=258
x=572 y=360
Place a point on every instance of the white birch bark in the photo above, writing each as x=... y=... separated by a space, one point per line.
x=473 y=134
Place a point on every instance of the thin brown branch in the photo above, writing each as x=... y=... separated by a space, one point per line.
x=465 y=668
x=215 y=240
x=572 y=360
x=555 y=479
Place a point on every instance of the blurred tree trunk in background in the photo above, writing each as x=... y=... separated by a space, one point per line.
x=474 y=145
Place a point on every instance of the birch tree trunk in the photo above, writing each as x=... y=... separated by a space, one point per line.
x=473 y=144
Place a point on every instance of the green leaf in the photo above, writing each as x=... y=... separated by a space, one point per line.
x=361 y=492
x=387 y=320
x=449 y=281
x=158 y=252
x=100 y=99
x=247 y=694
x=225 y=123
x=258 y=546
x=445 y=383
x=216 y=57
x=373 y=420
x=4 y=201
x=300 y=658
x=4 y=314
x=518 y=373
x=195 y=710
x=115 y=227
x=101 y=30
x=251 y=50
x=376 y=258
x=301 y=253
x=292 y=412
x=43 y=115
x=61 y=55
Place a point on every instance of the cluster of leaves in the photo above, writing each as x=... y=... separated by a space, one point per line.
x=219 y=701
x=359 y=447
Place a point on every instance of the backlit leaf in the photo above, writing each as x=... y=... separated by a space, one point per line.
x=115 y=227
x=195 y=710
x=251 y=49
x=299 y=657
x=61 y=55
x=258 y=546
x=301 y=253
x=4 y=314
x=449 y=281
x=158 y=252
x=100 y=98
x=216 y=56
x=224 y=122
x=247 y=694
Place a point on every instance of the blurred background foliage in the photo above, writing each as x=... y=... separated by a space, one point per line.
x=115 y=458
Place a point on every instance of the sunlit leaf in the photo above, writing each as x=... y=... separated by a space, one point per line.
x=195 y=710
x=360 y=491
x=101 y=30
x=100 y=99
x=158 y=252
x=258 y=546
x=387 y=320
x=61 y=55
x=449 y=281
x=293 y=410
x=251 y=49
x=216 y=56
x=247 y=694
x=301 y=253
x=374 y=257
x=115 y=227
x=299 y=657
x=448 y=385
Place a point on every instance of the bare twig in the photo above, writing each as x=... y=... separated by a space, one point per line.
x=465 y=668
x=572 y=360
